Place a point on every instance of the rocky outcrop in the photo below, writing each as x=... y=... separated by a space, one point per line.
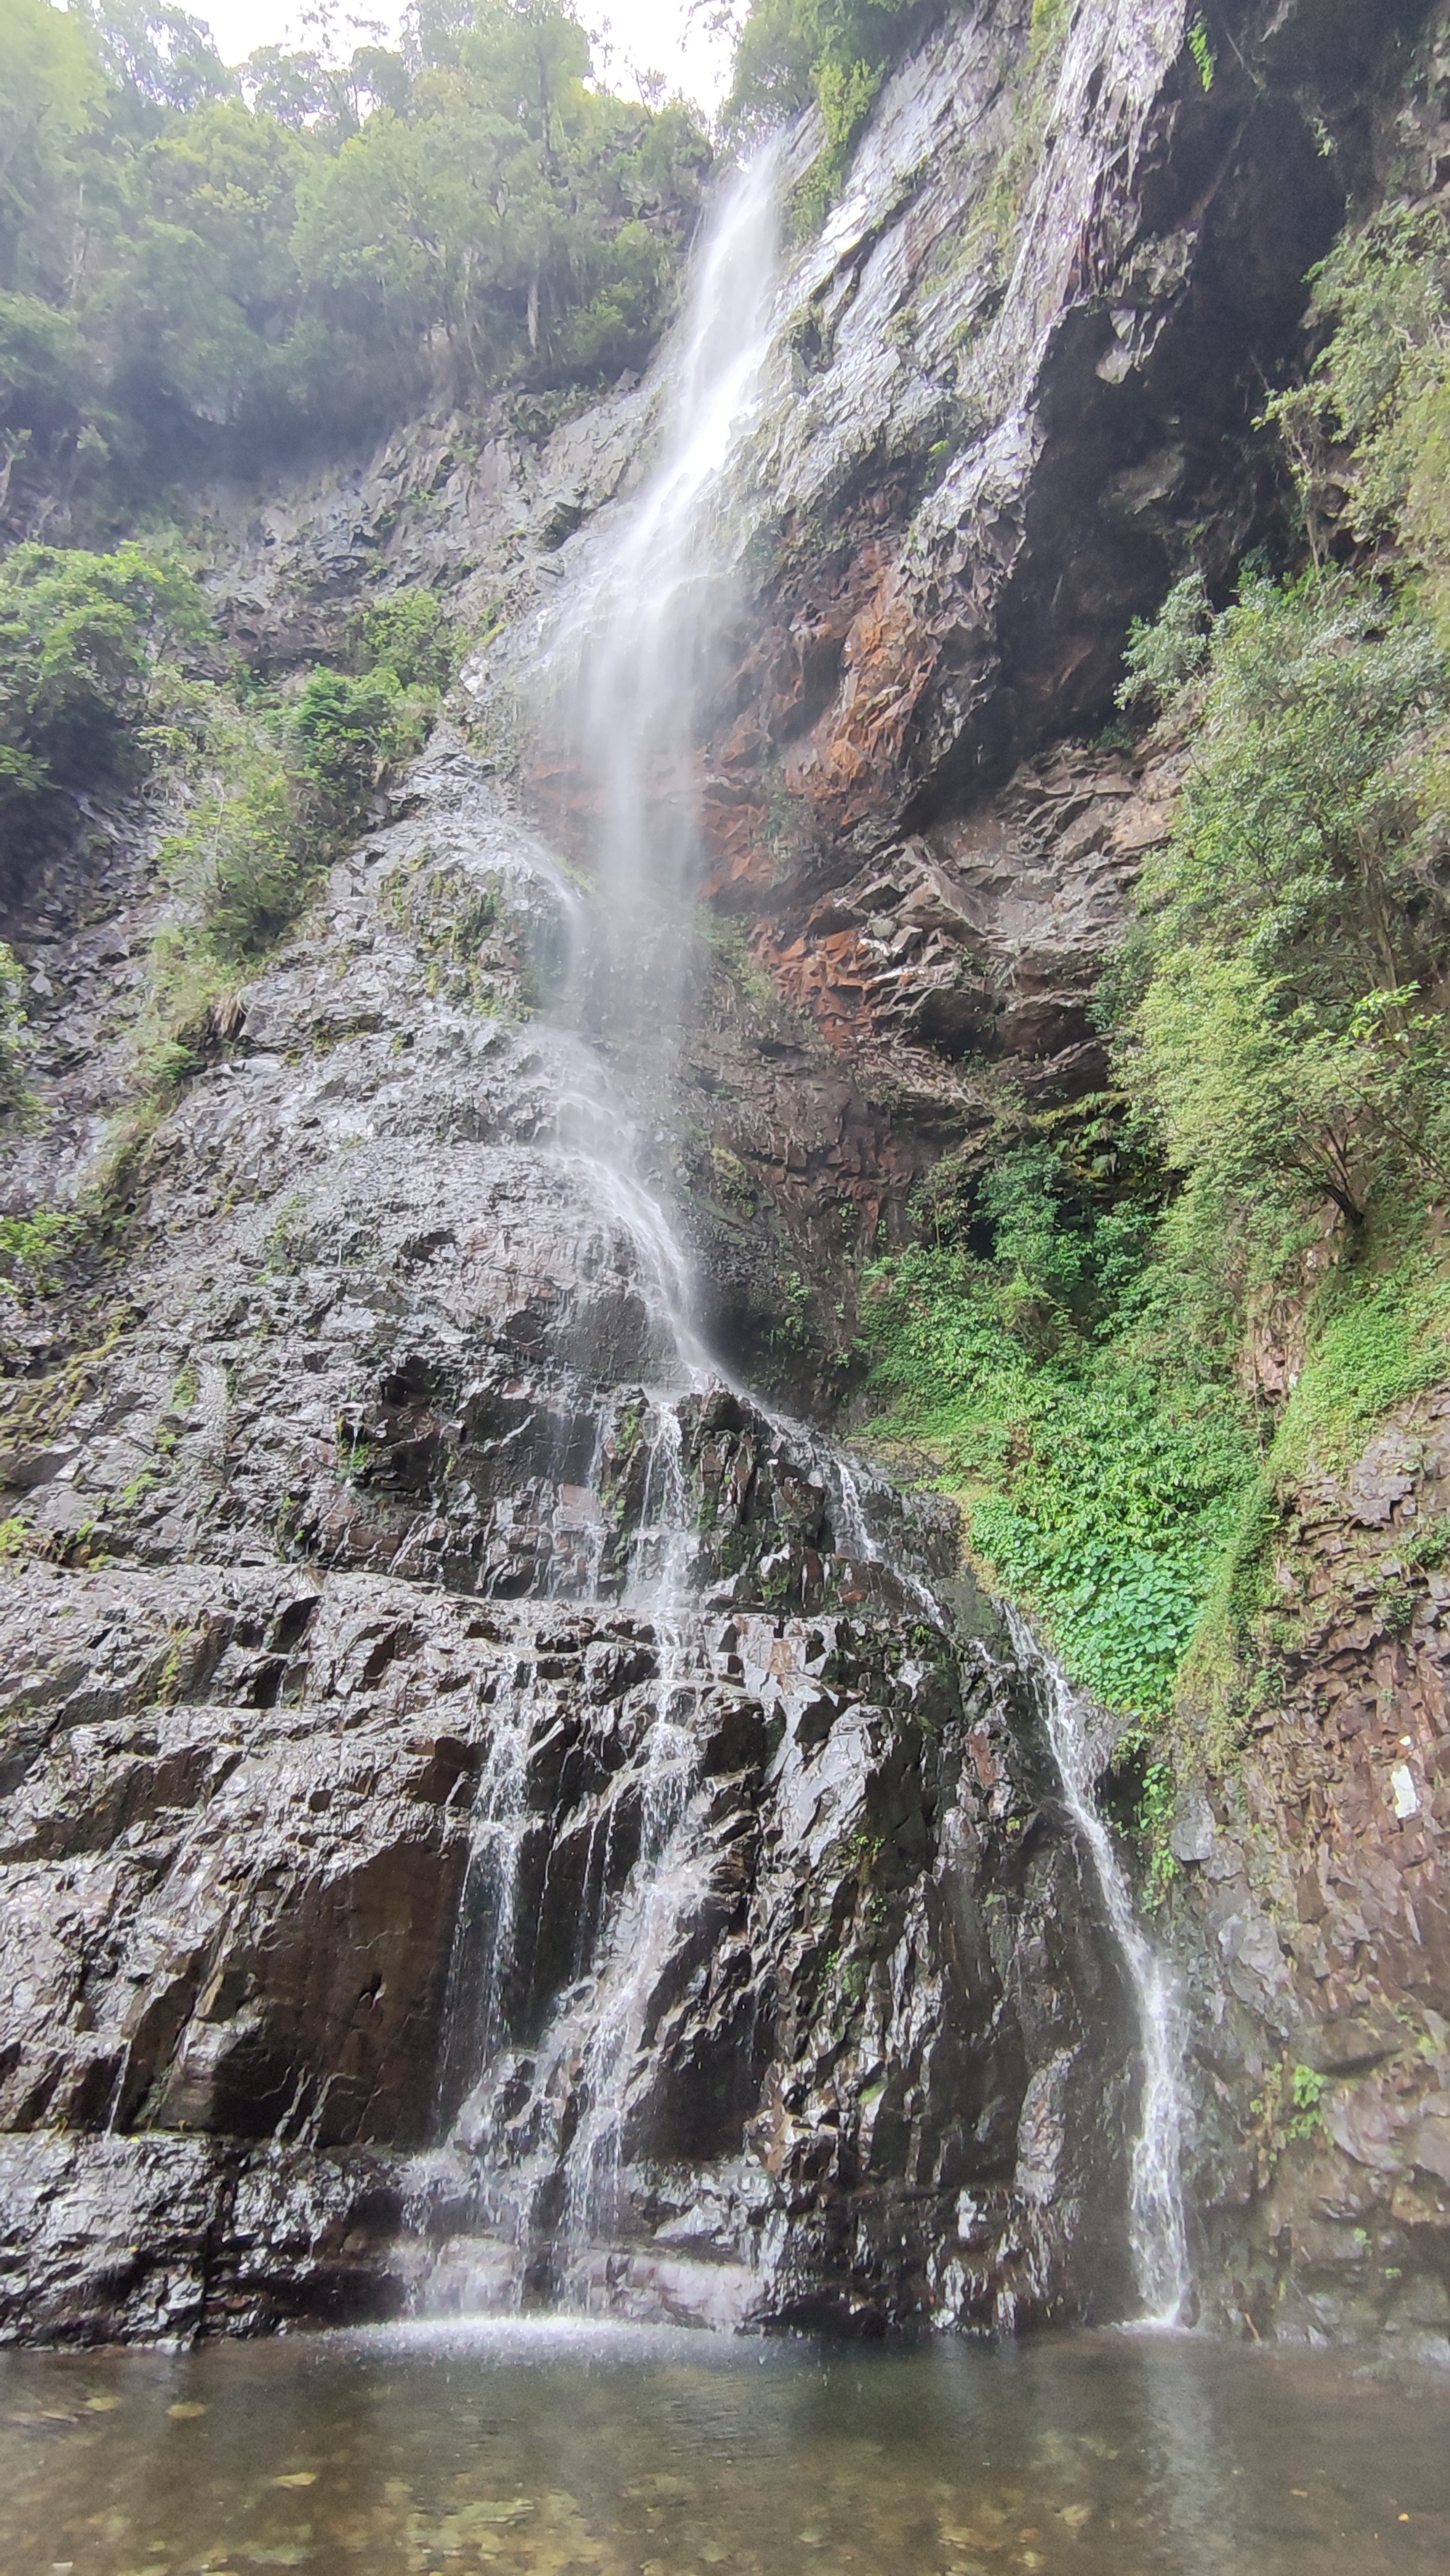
x=241 y=1811
x=328 y=1520
x=1015 y=378
x=1312 y=1909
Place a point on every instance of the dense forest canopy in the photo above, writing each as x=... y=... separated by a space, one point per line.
x=198 y=262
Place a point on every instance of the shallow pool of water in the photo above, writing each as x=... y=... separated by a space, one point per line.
x=530 y=2450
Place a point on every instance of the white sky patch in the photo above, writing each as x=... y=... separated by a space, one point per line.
x=633 y=38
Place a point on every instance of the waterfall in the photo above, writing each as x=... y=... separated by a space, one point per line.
x=1157 y=2234
x=631 y=665
x=628 y=671
x=638 y=646
x=628 y=668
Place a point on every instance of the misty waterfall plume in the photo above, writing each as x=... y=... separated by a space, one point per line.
x=1157 y=2234
x=628 y=666
x=636 y=653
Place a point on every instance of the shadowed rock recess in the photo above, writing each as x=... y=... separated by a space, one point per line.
x=406 y=1902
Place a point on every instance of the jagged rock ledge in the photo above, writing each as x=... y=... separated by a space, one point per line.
x=885 y=2076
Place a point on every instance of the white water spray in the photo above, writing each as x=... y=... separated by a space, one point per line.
x=1157 y=2235
x=637 y=650
x=634 y=661
x=631 y=664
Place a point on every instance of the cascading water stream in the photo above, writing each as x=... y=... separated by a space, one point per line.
x=627 y=669
x=635 y=656
x=630 y=667
x=636 y=651
x=1157 y=2235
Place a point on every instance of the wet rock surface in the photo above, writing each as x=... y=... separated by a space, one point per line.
x=1312 y=1916
x=871 y=2080
x=338 y=1506
x=350 y=1458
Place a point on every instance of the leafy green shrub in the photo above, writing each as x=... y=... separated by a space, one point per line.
x=348 y=730
x=13 y=1047
x=1164 y=653
x=1382 y=1340
x=1099 y=1452
x=1295 y=920
x=837 y=51
x=1307 y=2088
x=239 y=858
x=1378 y=390
x=32 y=1250
x=81 y=639
x=274 y=794
x=410 y=636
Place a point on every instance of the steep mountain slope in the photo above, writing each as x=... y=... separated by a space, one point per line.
x=300 y=1447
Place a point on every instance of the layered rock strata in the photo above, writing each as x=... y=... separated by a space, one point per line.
x=1312 y=1913
x=876 y=2067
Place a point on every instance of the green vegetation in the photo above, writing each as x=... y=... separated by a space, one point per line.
x=1307 y=2090
x=111 y=672
x=33 y=1249
x=276 y=789
x=838 y=52
x=82 y=639
x=835 y=51
x=1368 y=433
x=1200 y=45
x=198 y=265
x=1074 y=1337
x=1035 y=1348
x=1293 y=927
x=13 y=1094
x=410 y=636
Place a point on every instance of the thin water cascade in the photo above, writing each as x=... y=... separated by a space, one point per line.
x=665 y=1883
x=473 y=2017
x=630 y=667
x=662 y=1888
x=627 y=670
x=638 y=647
x=1157 y=2234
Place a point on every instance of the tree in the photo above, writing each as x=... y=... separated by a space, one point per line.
x=1295 y=929
x=51 y=90
x=162 y=56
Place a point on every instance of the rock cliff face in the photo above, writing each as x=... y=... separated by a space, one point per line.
x=335 y=1476
x=1313 y=1914
x=362 y=1461
x=247 y=1934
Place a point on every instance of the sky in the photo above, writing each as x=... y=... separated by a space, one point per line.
x=667 y=36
